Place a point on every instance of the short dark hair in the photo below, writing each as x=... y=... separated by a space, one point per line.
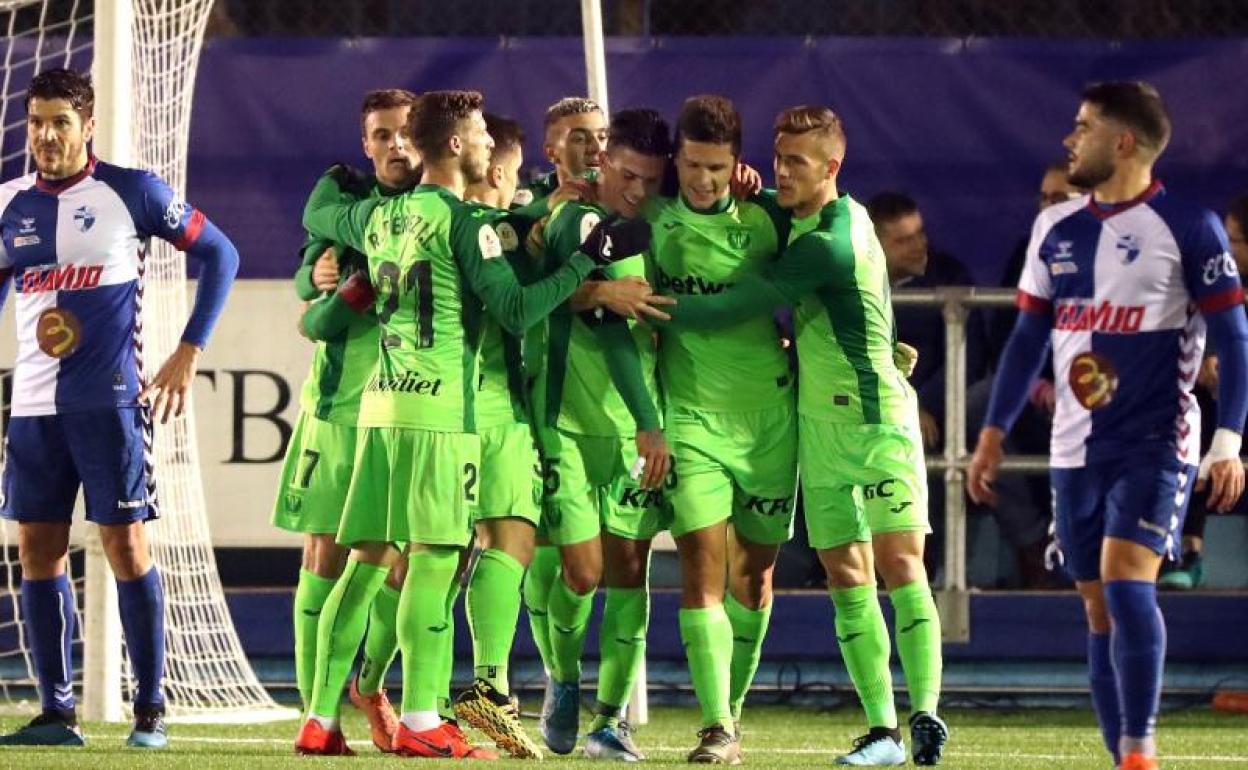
x=61 y=83
x=890 y=206
x=710 y=118
x=1135 y=104
x=385 y=99
x=435 y=118
x=1238 y=210
x=568 y=105
x=642 y=130
x=507 y=134
x=806 y=118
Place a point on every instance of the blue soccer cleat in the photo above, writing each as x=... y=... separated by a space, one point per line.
x=50 y=728
x=149 y=729
x=928 y=734
x=561 y=712
x=613 y=743
x=875 y=749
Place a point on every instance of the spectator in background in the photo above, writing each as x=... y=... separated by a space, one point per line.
x=1187 y=571
x=1024 y=510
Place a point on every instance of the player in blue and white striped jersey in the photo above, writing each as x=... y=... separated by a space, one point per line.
x=1124 y=282
x=74 y=237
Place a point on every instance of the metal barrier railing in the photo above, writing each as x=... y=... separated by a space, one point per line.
x=953 y=599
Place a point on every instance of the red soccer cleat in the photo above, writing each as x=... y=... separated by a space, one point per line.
x=316 y=740
x=442 y=742
x=382 y=721
x=1137 y=761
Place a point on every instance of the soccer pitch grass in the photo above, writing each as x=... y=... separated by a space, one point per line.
x=774 y=737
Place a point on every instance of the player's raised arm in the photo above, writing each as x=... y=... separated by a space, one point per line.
x=1213 y=281
x=478 y=249
x=334 y=212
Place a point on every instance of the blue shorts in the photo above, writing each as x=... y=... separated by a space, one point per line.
x=1141 y=498
x=107 y=451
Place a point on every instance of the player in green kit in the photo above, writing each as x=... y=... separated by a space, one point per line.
x=597 y=422
x=319 y=458
x=437 y=265
x=574 y=134
x=509 y=507
x=730 y=418
x=863 y=477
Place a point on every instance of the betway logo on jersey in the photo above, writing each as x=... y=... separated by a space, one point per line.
x=407 y=382
x=1104 y=317
x=60 y=278
x=689 y=284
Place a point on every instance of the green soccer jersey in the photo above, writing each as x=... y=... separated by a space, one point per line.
x=341 y=365
x=437 y=265
x=834 y=273
x=501 y=390
x=739 y=367
x=576 y=386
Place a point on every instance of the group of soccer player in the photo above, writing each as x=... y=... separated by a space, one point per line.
x=562 y=372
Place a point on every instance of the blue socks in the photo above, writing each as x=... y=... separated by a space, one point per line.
x=1138 y=647
x=1104 y=691
x=48 y=613
x=142 y=605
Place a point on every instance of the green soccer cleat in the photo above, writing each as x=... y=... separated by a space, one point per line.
x=50 y=728
x=149 y=729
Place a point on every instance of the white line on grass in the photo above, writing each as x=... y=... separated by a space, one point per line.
x=681 y=749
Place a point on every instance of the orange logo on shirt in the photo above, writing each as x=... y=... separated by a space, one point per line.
x=58 y=332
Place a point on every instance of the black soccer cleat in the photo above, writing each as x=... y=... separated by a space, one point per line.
x=928 y=734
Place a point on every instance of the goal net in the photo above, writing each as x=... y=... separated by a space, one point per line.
x=208 y=678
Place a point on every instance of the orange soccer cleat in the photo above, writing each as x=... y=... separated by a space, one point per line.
x=382 y=721
x=316 y=740
x=444 y=741
x=1137 y=761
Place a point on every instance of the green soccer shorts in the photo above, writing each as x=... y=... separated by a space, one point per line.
x=312 y=491
x=412 y=486
x=861 y=479
x=511 y=474
x=739 y=466
x=588 y=490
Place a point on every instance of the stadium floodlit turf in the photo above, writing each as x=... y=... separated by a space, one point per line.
x=774 y=737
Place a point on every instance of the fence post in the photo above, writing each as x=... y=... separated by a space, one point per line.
x=954 y=601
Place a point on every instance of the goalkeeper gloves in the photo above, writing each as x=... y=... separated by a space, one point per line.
x=613 y=239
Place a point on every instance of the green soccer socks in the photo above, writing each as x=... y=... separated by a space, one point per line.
x=493 y=605
x=310 y=596
x=918 y=643
x=863 y=639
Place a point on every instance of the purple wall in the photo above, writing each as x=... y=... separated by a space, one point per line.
x=965 y=126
